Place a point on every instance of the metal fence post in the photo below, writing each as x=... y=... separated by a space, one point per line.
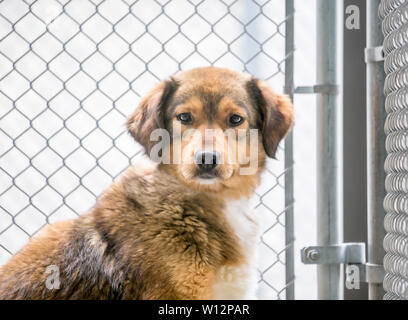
x=289 y=197
x=329 y=142
x=376 y=153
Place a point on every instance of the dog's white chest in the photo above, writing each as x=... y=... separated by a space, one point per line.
x=239 y=282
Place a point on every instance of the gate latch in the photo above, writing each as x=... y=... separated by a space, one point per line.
x=352 y=254
x=375 y=54
x=344 y=253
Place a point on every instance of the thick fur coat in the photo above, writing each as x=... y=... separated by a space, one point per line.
x=159 y=232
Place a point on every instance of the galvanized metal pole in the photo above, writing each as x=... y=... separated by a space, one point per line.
x=376 y=153
x=329 y=142
x=289 y=198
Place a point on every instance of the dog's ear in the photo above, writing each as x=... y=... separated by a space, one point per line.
x=275 y=114
x=149 y=115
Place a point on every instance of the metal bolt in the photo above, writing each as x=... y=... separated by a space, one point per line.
x=313 y=255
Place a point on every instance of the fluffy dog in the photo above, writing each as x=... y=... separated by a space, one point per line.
x=179 y=229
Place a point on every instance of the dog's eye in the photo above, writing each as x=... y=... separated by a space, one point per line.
x=185 y=118
x=235 y=120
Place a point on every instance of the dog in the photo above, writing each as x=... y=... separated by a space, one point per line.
x=177 y=229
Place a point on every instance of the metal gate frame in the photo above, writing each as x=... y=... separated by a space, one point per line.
x=376 y=153
x=289 y=190
x=386 y=55
x=331 y=253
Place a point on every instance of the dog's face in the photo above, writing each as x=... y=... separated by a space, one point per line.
x=221 y=125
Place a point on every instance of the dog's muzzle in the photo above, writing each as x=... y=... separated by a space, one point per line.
x=207 y=162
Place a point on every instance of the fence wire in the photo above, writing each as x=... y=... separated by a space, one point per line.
x=395 y=27
x=72 y=70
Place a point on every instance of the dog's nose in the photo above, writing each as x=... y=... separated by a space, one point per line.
x=207 y=160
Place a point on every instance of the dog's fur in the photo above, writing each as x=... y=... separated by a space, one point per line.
x=159 y=232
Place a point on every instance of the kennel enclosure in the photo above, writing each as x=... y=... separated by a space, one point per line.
x=71 y=71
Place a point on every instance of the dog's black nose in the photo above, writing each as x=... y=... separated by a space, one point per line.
x=207 y=160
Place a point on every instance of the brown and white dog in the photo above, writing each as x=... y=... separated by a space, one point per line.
x=177 y=230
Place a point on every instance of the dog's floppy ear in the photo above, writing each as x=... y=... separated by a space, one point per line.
x=276 y=114
x=149 y=115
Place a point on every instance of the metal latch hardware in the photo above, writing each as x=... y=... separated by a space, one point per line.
x=375 y=54
x=352 y=254
x=347 y=253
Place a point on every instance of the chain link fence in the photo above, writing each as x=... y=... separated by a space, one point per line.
x=70 y=73
x=395 y=28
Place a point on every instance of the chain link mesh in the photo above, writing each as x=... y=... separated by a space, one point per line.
x=71 y=71
x=395 y=27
